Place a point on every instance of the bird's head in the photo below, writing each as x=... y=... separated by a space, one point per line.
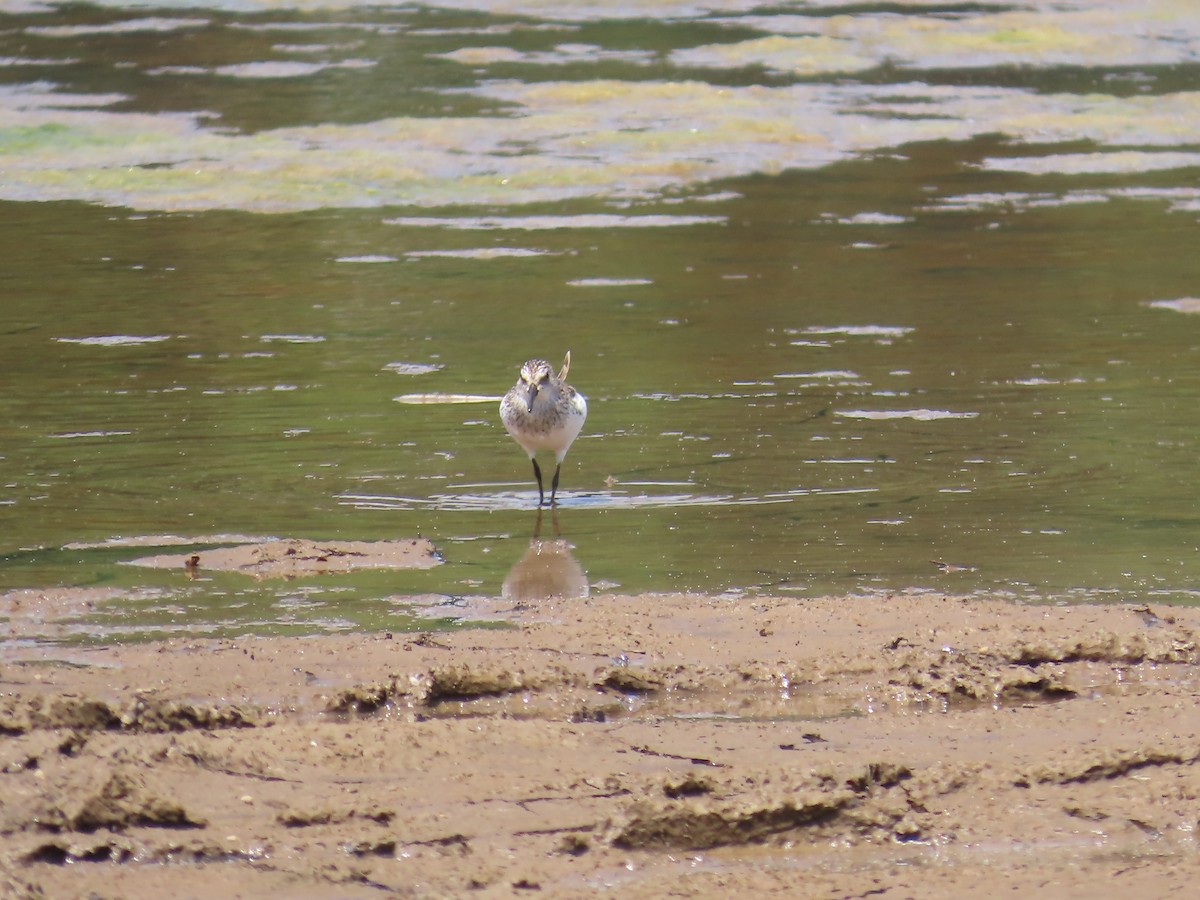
x=535 y=374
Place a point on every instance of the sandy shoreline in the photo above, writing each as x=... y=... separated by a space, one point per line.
x=902 y=746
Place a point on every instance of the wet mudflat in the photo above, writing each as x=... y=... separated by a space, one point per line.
x=909 y=745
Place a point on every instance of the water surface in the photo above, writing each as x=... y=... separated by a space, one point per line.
x=862 y=299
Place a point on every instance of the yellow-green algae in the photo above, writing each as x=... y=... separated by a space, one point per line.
x=815 y=55
x=1157 y=32
x=562 y=54
x=611 y=139
x=604 y=139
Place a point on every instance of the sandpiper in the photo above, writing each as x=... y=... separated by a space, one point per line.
x=542 y=412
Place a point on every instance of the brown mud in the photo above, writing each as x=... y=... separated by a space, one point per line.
x=295 y=557
x=693 y=746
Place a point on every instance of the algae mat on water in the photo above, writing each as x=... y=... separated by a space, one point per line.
x=544 y=139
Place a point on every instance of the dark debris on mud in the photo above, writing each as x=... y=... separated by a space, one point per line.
x=714 y=813
x=142 y=714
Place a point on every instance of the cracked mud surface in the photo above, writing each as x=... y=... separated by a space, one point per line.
x=890 y=747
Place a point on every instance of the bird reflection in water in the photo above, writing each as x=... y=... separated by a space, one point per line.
x=546 y=570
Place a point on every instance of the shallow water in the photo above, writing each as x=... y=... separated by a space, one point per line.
x=850 y=295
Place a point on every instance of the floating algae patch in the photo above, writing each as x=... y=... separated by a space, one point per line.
x=597 y=139
x=808 y=55
x=1121 y=35
x=576 y=139
x=615 y=140
x=559 y=11
x=1155 y=33
x=562 y=54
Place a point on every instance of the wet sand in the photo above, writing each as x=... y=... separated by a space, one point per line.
x=890 y=747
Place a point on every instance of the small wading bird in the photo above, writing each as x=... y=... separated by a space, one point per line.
x=543 y=412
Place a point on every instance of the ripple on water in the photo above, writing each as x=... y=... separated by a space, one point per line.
x=482 y=253
x=506 y=499
x=114 y=340
x=920 y=415
x=451 y=399
x=159 y=24
x=67 y=435
x=292 y=338
x=1183 y=304
x=553 y=223
x=1115 y=162
x=410 y=368
x=609 y=282
x=890 y=331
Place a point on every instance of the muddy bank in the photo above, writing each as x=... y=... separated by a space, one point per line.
x=890 y=747
x=296 y=557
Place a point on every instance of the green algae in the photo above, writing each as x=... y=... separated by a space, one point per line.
x=582 y=136
x=1158 y=32
x=602 y=139
x=815 y=55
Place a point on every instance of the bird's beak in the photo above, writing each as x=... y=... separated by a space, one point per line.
x=531 y=396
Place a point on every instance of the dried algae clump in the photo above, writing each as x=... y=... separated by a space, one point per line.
x=19 y=715
x=462 y=682
x=702 y=814
x=1105 y=764
x=121 y=800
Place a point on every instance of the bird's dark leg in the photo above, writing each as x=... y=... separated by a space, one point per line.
x=537 y=473
x=554 y=483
